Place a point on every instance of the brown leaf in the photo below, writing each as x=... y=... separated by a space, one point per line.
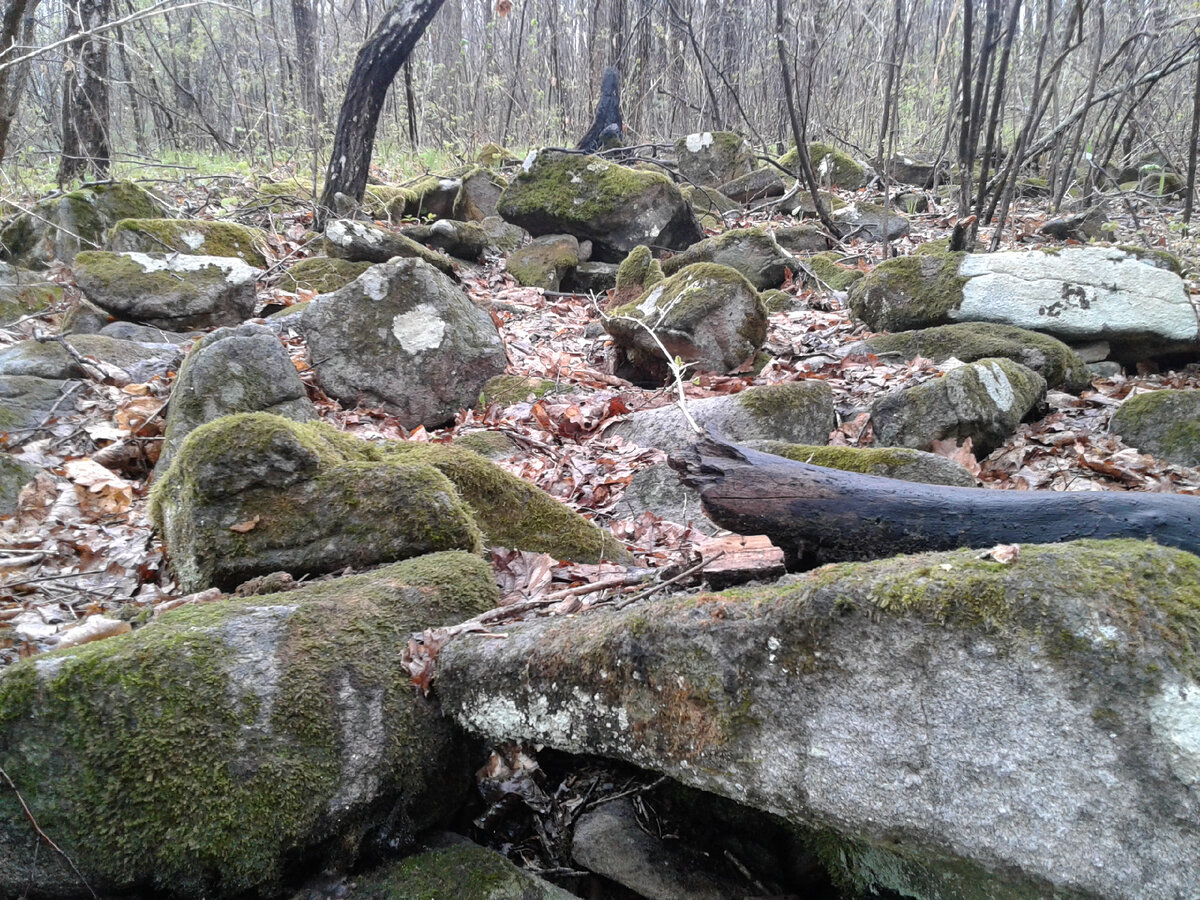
x=503 y=7
x=243 y=527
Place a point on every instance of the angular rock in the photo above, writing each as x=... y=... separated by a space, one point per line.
x=480 y=194
x=14 y=475
x=752 y=251
x=637 y=273
x=706 y=314
x=798 y=412
x=710 y=159
x=801 y=240
x=502 y=237
x=657 y=489
x=1061 y=366
x=615 y=207
x=1084 y=226
x=308 y=498
x=545 y=261
x=946 y=725
x=869 y=221
x=27 y=402
x=802 y=207
x=827 y=270
x=908 y=170
x=233 y=370
x=888 y=462
x=406 y=337
x=277 y=727
x=1165 y=424
x=1073 y=293
x=757 y=185
x=321 y=274
x=50 y=359
x=23 y=293
x=832 y=166
x=983 y=401
x=173 y=292
x=62 y=226
x=709 y=204
x=464 y=240
x=592 y=278
x=193 y=237
x=86 y=317
x=435 y=196
x=145 y=334
x=360 y=242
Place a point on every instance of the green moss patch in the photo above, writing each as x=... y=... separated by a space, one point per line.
x=910 y=291
x=321 y=274
x=194 y=237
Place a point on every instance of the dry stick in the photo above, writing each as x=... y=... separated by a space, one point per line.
x=642 y=595
x=45 y=837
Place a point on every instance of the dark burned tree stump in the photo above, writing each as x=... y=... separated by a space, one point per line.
x=607 y=128
x=818 y=515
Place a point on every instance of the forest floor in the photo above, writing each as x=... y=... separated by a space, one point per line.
x=81 y=544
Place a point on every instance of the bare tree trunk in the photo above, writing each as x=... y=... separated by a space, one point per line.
x=85 y=143
x=378 y=61
x=305 y=25
x=18 y=21
x=1191 y=176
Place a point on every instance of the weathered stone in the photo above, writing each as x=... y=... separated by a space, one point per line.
x=306 y=498
x=801 y=240
x=983 y=401
x=911 y=202
x=831 y=166
x=1084 y=226
x=828 y=271
x=145 y=334
x=1062 y=368
x=657 y=489
x=950 y=727
x=480 y=194
x=592 y=278
x=488 y=444
x=51 y=359
x=1165 y=424
x=193 y=237
x=870 y=221
x=27 y=402
x=360 y=242
x=233 y=370
x=709 y=204
x=503 y=237
x=406 y=337
x=14 y=475
x=24 y=293
x=86 y=317
x=544 y=261
x=615 y=207
x=249 y=732
x=321 y=274
x=708 y=315
x=907 y=170
x=710 y=159
x=802 y=207
x=435 y=196
x=752 y=251
x=799 y=412
x=62 y=226
x=757 y=185
x=887 y=462
x=170 y=291
x=464 y=240
x=387 y=202
x=509 y=389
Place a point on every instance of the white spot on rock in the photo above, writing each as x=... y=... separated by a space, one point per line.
x=194 y=239
x=420 y=329
x=697 y=142
x=996 y=383
x=236 y=271
x=1175 y=721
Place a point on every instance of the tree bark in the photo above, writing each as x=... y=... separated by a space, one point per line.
x=378 y=61
x=1195 y=133
x=307 y=52
x=818 y=515
x=17 y=22
x=85 y=142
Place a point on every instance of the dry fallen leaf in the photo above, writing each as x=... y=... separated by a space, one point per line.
x=101 y=492
x=1002 y=553
x=243 y=527
x=93 y=628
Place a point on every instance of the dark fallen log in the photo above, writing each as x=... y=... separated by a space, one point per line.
x=818 y=515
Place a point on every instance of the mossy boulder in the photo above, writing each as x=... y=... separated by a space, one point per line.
x=404 y=336
x=506 y=390
x=910 y=170
x=503 y=237
x=494 y=156
x=170 y=291
x=799 y=412
x=829 y=271
x=983 y=401
x=709 y=203
x=488 y=444
x=388 y=202
x=936 y=725
x=463 y=240
x=801 y=240
x=295 y=191
x=360 y=242
x=435 y=197
x=871 y=222
x=831 y=166
x=639 y=270
x=203 y=753
x=305 y=497
x=712 y=158
x=760 y=184
x=194 y=237
x=970 y=341
x=62 y=226
x=14 y=475
x=24 y=293
x=707 y=314
x=1162 y=184
x=233 y=370
x=544 y=262
x=1165 y=424
x=321 y=274
x=887 y=462
x=909 y=292
x=752 y=251
x=85 y=317
x=802 y=207
x=611 y=205
x=51 y=359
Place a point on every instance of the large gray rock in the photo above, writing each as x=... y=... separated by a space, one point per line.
x=203 y=753
x=545 y=261
x=1162 y=423
x=949 y=726
x=360 y=242
x=27 y=402
x=707 y=314
x=798 y=412
x=464 y=240
x=169 y=291
x=615 y=207
x=983 y=401
x=752 y=251
x=23 y=292
x=406 y=337
x=59 y=227
x=831 y=166
x=757 y=185
x=870 y=222
x=657 y=489
x=1074 y=293
x=908 y=170
x=801 y=240
x=710 y=159
x=193 y=237
x=233 y=370
x=50 y=359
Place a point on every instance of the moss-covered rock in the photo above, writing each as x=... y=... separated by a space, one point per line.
x=203 y=753
x=388 y=202
x=706 y=314
x=709 y=202
x=777 y=301
x=24 y=293
x=752 y=251
x=488 y=444
x=509 y=389
x=983 y=401
x=611 y=205
x=494 y=156
x=503 y=237
x=61 y=226
x=435 y=196
x=463 y=240
x=757 y=185
x=887 y=462
x=829 y=271
x=1162 y=423
x=14 y=475
x=910 y=291
x=801 y=240
x=970 y=341
x=295 y=191
x=544 y=262
x=639 y=270
x=360 y=242
x=871 y=222
x=321 y=274
x=307 y=498
x=194 y=237
x=85 y=317
x=51 y=359
x=1162 y=184
x=27 y=402
x=480 y=194
x=948 y=713
x=712 y=158
x=908 y=170
x=831 y=166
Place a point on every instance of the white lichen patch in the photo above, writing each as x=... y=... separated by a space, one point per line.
x=997 y=385
x=1077 y=292
x=419 y=329
x=193 y=239
x=697 y=142
x=1175 y=721
x=251 y=643
x=363 y=744
x=528 y=163
x=648 y=305
x=236 y=271
x=373 y=283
